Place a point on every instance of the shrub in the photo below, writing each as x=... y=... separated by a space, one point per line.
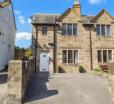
x=98 y=69
x=61 y=70
x=82 y=69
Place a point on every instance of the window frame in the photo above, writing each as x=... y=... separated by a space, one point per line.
x=73 y=56
x=44 y=30
x=70 y=32
x=107 y=56
x=106 y=28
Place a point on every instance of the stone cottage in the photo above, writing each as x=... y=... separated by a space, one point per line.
x=63 y=42
x=7 y=32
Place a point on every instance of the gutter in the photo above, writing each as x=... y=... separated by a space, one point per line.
x=90 y=24
x=91 y=49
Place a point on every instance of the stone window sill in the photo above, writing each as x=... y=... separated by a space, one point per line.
x=70 y=64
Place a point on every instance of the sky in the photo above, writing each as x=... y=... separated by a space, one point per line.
x=23 y=9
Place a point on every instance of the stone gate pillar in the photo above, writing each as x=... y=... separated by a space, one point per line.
x=15 y=82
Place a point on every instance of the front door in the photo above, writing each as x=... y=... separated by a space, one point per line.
x=44 y=62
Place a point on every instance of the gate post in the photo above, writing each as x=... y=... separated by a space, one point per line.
x=15 y=82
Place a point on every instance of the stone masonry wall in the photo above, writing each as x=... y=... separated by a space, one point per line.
x=81 y=42
x=19 y=75
x=43 y=42
x=111 y=78
x=102 y=42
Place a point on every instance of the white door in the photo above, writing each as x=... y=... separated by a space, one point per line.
x=44 y=62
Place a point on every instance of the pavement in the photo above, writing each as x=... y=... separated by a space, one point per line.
x=3 y=87
x=68 y=89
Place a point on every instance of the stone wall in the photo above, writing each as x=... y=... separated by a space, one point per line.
x=20 y=73
x=111 y=78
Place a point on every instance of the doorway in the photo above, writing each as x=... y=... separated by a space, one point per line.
x=44 y=62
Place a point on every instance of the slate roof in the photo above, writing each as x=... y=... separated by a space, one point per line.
x=50 y=18
x=44 y=18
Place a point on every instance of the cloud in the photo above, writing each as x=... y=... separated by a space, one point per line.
x=29 y=20
x=21 y=19
x=23 y=36
x=95 y=1
x=17 y=12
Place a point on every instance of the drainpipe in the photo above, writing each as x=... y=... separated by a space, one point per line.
x=36 y=49
x=55 y=47
x=91 y=50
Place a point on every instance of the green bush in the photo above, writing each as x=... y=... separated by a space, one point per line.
x=97 y=69
x=82 y=69
x=61 y=70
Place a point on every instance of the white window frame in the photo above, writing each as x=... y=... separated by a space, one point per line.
x=73 y=58
x=107 y=56
x=106 y=30
x=72 y=29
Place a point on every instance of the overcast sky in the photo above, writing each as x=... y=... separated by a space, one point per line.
x=25 y=8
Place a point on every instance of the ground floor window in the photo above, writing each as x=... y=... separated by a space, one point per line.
x=70 y=56
x=104 y=55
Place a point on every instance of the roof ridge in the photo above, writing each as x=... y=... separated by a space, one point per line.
x=45 y=14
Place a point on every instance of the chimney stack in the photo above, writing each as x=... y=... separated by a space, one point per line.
x=77 y=8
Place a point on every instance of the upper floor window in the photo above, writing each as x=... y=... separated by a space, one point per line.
x=44 y=30
x=69 y=29
x=103 y=30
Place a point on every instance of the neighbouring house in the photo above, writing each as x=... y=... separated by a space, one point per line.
x=7 y=32
x=63 y=42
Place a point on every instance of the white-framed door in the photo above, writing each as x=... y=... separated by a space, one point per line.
x=44 y=62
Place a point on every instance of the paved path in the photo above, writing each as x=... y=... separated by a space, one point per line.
x=69 y=89
x=3 y=87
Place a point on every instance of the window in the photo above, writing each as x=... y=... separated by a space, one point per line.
x=99 y=56
x=70 y=56
x=103 y=30
x=64 y=29
x=108 y=30
x=64 y=56
x=75 y=29
x=76 y=56
x=44 y=30
x=104 y=55
x=98 y=29
x=109 y=55
x=69 y=29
